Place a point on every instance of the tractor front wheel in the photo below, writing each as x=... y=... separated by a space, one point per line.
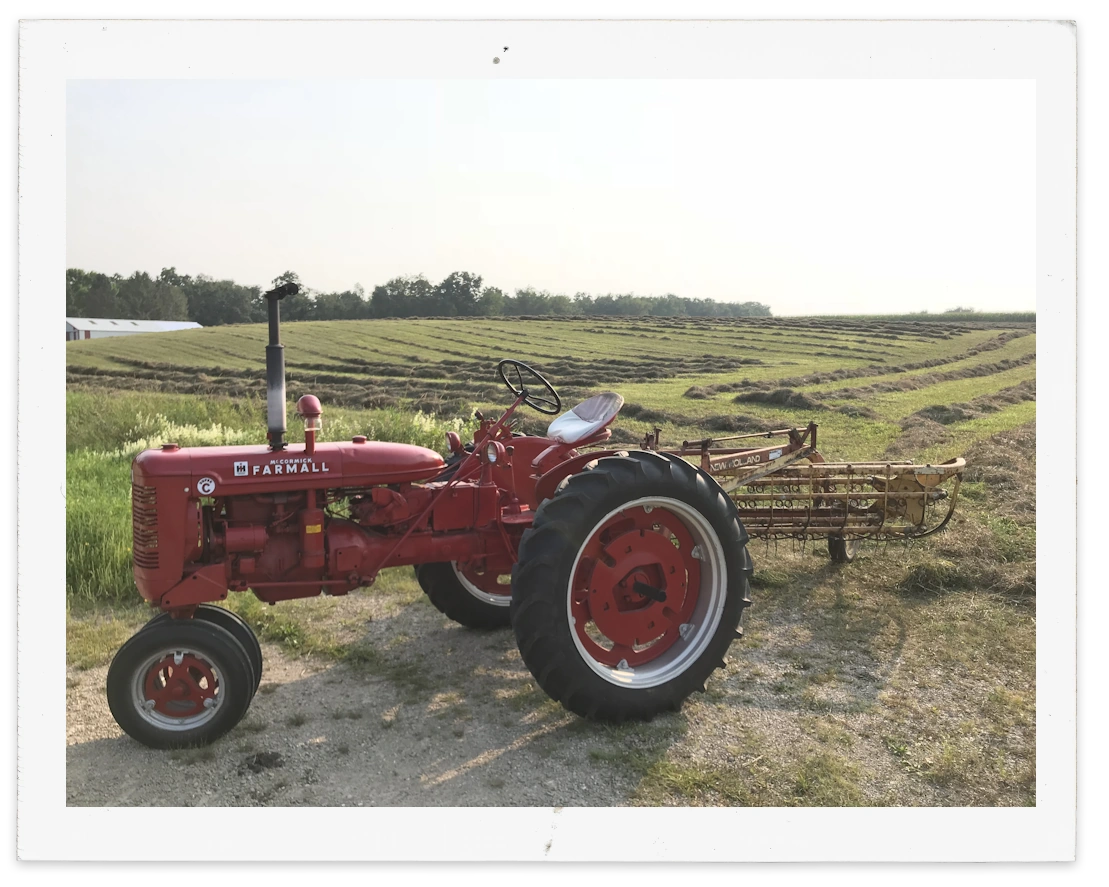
x=180 y=682
x=467 y=593
x=630 y=587
x=233 y=623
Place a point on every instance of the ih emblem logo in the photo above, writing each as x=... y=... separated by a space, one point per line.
x=240 y=469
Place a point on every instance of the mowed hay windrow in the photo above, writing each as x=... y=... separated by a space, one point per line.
x=1005 y=464
x=997 y=554
x=439 y=367
x=905 y=383
x=781 y=397
x=925 y=428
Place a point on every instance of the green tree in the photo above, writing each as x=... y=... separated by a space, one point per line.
x=135 y=297
x=402 y=297
x=211 y=302
x=347 y=305
x=457 y=295
x=603 y=305
x=529 y=301
x=77 y=285
x=101 y=298
x=387 y=299
x=170 y=277
x=301 y=306
x=491 y=302
x=668 y=306
x=583 y=303
x=560 y=305
x=171 y=302
x=353 y=304
x=214 y=302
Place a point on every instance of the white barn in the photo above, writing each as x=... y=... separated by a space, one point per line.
x=102 y=327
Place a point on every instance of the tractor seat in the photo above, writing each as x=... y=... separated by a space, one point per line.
x=586 y=419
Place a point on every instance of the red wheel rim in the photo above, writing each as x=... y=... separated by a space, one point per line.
x=615 y=624
x=180 y=689
x=486 y=578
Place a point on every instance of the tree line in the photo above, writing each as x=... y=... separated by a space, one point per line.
x=210 y=302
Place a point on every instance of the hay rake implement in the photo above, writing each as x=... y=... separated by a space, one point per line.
x=787 y=490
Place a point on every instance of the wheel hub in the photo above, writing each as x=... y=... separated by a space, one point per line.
x=617 y=624
x=180 y=686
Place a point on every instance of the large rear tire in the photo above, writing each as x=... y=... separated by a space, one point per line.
x=630 y=586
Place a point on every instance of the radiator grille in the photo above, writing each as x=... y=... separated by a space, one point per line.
x=144 y=522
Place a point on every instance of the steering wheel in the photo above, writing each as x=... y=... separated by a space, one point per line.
x=547 y=402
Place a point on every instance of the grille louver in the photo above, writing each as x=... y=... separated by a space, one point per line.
x=144 y=522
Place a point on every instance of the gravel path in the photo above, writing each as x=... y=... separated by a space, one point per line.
x=326 y=734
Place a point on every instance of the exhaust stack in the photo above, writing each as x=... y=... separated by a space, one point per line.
x=275 y=368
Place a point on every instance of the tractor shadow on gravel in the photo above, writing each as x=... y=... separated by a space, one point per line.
x=415 y=711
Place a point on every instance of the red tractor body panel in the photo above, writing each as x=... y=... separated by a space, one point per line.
x=525 y=451
x=246 y=470
x=208 y=519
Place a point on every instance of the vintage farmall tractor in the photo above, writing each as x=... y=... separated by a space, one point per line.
x=624 y=575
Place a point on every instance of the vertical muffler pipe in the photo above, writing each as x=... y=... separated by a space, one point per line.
x=275 y=368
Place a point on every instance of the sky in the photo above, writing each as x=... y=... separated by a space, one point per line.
x=814 y=166
x=810 y=196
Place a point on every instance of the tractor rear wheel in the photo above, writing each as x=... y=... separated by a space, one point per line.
x=630 y=587
x=180 y=682
x=233 y=623
x=466 y=593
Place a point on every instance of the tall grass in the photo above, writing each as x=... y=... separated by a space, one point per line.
x=108 y=421
x=98 y=530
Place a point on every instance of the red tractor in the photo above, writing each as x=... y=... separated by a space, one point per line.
x=624 y=575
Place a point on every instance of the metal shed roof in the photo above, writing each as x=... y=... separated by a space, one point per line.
x=130 y=326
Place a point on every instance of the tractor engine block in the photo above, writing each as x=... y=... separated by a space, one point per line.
x=283 y=545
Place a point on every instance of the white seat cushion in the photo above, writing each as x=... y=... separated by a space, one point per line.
x=587 y=418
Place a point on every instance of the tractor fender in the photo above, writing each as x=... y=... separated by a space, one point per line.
x=547 y=484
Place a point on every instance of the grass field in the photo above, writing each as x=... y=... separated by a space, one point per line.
x=904 y=678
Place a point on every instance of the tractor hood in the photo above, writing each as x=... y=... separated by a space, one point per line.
x=233 y=471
